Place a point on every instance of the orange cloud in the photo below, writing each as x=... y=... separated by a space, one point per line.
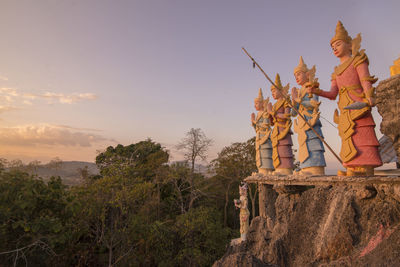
x=7 y=108
x=49 y=135
x=44 y=142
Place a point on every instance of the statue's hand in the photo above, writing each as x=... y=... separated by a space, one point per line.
x=253 y=117
x=371 y=101
x=309 y=88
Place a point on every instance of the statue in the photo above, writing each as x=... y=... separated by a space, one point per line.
x=395 y=69
x=353 y=82
x=281 y=135
x=262 y=127
x=311 y=149
x=244 y=211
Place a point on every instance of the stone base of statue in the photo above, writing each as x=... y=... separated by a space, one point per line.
x=357 y=171
x=236 y=241
x=294 y=184
x=282 y=171
x=265 y=171
x=243 y=237
x=311 y=171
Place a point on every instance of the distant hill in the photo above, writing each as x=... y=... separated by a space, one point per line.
x=199 y=168
x=68 y=171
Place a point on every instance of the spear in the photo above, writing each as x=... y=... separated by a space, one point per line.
x=290 y=104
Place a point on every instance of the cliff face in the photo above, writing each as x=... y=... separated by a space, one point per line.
x=332 y=222
x=340 y=225
x=388 y=104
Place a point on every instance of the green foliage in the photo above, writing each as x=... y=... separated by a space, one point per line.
x=233 y=164
x=33 y=211
x=135 y=160
x=138 y=212
x=236 y=161
x=162 y=240
x=112 y=208
x=202 y=237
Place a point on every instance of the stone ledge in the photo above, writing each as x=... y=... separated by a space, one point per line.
x=322 y=180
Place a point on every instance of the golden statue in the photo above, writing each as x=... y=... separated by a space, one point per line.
x=311 y=149
x=262 y=126
x=395 y=69
x=281 y=136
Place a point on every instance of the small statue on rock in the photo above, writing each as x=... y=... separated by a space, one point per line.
x=281 y=137
x=262 y=126
x=311 y=149
x=244 y=211
x=353 y=82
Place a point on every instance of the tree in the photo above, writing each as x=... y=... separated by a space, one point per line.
x=195 y=145
x=202 y=237
x=16 y=165
x=33 y=166
x=114 y=214
x=233 y=164
x=35 y=220
x=3 y=164
x=136 y=160
x=138 y=212
x=83 y=172
x=56 y=164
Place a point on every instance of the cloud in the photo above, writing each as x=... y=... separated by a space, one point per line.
x=3 y=78
x=9 y=91
x=11 y=99
x=49 y=135
x=10 y=95
x=7 y=108
x=77 y=128
x=62 y=98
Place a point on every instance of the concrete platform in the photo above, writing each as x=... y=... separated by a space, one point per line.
x=323 y=180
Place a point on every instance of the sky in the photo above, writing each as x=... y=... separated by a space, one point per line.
x=77 y=76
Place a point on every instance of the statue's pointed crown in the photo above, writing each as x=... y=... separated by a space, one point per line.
x=301 y=67
x=277 y=82
x=260 y=97
x=341 y=34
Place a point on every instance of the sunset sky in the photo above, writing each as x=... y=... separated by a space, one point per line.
x=79 y=75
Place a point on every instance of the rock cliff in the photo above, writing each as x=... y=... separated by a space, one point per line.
x=332 y=223
x=388 y=104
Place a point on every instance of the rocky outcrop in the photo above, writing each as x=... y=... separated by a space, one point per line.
x=345 y=224
x=388 y=104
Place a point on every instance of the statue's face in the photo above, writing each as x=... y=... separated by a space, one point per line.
x=301 y=77
x=275 y=93
x=341 y=48
x=258 y=105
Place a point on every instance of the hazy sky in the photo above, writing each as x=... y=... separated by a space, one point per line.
x=77 y=76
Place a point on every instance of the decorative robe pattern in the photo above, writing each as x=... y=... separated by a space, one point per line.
x=311 y=149
x=281 y=136
x=263 y=141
